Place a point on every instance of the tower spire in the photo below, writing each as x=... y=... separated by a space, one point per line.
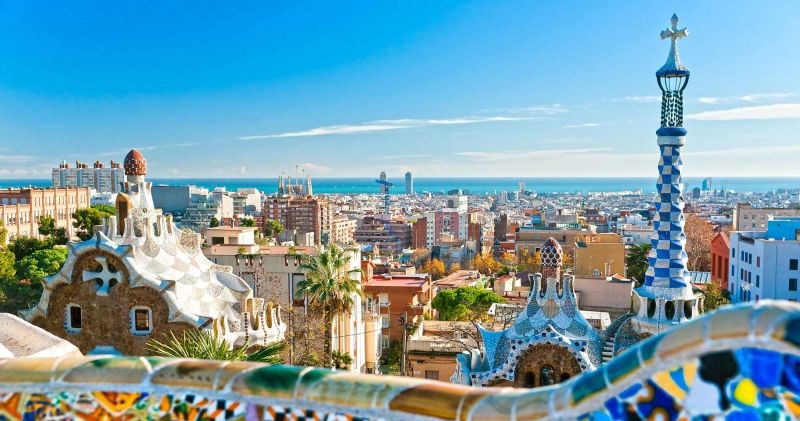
x=666 y=296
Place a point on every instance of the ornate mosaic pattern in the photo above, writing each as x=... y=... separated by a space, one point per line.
x=551 y=316
x=158 y=255
x=736 y=363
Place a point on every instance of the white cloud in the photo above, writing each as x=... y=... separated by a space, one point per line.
x=409 y=156
x=243 y=169
x=757 y=97
x=16 y=159
x=584 y=125
x=765 y=96
x=122 y=152
x=515 y=114
x=313 y=168
x=758 y=112
x=495 y=156
x=638 y=98
x=746 y=152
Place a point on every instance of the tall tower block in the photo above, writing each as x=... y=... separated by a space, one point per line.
x=666 y=297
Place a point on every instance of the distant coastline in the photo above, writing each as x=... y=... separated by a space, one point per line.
x=474 y=185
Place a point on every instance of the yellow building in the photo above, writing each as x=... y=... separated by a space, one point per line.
x=599 y=255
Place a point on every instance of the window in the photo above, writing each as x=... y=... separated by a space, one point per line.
x=141 y=321
x=384 y=322
x=758 y=281
x=733 y=253
x=432 y=374
x=385 y=341
x=792 y=264
x=758 y=261
x=74 y=321
x=792 y=284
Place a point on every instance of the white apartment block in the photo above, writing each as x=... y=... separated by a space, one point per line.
x=97 y=177
x=766 y=264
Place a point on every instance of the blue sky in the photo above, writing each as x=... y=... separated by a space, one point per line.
x=441 y=88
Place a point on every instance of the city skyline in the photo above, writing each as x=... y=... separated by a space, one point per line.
x=551 y=90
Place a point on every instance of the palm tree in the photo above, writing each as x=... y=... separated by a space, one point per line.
x=330 y=286
x=205 y=345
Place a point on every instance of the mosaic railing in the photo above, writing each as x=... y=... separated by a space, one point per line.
x=740 y=363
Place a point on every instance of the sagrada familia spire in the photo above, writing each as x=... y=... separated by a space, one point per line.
x=666 y=297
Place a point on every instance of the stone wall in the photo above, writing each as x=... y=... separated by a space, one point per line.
x=106 y=320
x=531 y=363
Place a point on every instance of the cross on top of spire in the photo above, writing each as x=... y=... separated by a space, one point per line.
x=674 y=32
x=673 y=66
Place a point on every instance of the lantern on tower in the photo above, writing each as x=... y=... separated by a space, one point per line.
x=672 y=78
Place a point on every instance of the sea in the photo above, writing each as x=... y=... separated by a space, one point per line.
x=471 y=185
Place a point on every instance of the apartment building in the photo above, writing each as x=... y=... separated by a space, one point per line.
x=98 y=177
x=766 y=264
x=21 y=208
x=749 y=218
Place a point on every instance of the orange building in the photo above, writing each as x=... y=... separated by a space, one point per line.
x=397 y=295
x=720 y=259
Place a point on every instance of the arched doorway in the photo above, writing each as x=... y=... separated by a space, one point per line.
x=545 y=364
x=530 y=380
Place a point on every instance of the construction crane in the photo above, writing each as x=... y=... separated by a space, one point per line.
x=386 y=201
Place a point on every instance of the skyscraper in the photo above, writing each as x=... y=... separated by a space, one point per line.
x=383 y=178
x=409 y=183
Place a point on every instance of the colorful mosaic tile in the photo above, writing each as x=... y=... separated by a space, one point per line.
x=741 y=374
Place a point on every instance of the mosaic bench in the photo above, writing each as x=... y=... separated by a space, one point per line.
x=735 y=363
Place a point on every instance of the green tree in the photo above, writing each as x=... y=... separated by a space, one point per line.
x=25 y=246
x=272 y=228
x=636 y=261
x=465 y=303
x=330 y=287
x=8 y=282
x=714 y=297
x=3 y=234
x=204 y=345
x=23 y=290
x=247 y=222
x=85 y=219
x=41 y=263
x=214 y=222
x=391 y=357
x=47 y=228
x=109 y=209
x=342 y=360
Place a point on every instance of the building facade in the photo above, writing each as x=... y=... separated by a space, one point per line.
x=21 y=209
x=305 y=214
x=720 y=259
x=748 y=218
x=766 y=264
x=390 y=236
x=396 y=297
x=599 y=255
x=97 y=177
